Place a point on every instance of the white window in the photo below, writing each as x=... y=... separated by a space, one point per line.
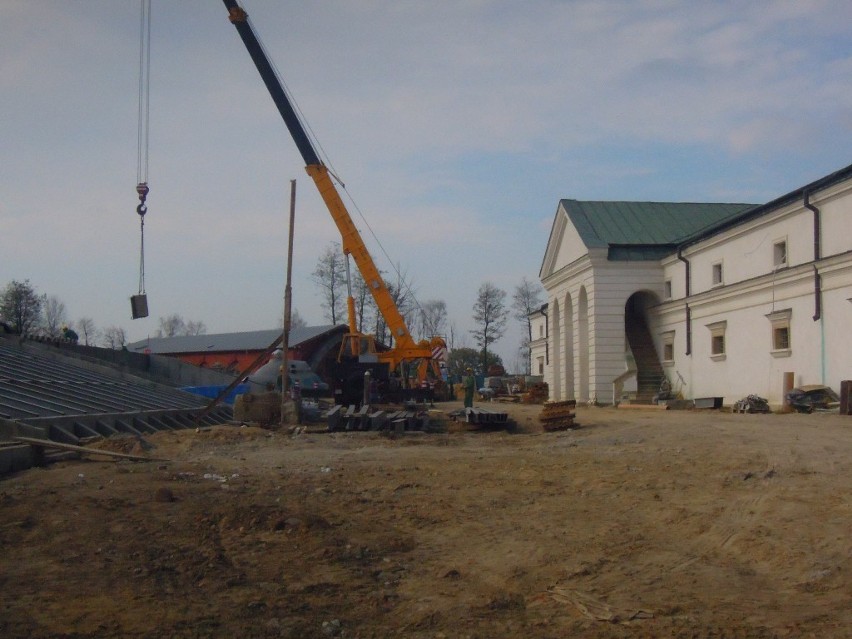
x=717 y=274
x=717 y=339
x=667 y=289
x=779 y=322
x=779 y=253
x=541 y=330
x=541 y=366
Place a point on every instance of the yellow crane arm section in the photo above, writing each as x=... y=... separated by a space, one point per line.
x=353 y=245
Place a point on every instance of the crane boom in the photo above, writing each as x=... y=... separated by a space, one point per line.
x=405 y=348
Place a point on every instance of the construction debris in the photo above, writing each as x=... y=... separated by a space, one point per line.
x=752 y=404
x=258 y=408
x=558 y=415
x=46 y=443
x=536 y=393
x=351 y=418
x=485 y=417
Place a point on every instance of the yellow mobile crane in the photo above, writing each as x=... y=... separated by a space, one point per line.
x=355 y=345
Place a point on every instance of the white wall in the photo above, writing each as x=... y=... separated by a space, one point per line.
x=753 y=288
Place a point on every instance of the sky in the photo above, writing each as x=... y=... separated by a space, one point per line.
x=456 y=127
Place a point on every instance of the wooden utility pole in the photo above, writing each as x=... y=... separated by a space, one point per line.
x=289 y=410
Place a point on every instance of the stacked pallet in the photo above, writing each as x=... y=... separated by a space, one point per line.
x=536 y=393
x=558 y=415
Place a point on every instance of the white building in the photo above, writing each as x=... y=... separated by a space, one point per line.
x=721 y=299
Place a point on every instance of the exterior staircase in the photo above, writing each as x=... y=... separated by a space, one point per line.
x=649 y=371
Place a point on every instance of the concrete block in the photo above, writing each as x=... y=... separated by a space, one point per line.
x=378 y=420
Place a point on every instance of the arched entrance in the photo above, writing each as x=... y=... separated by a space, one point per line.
x=637 y=331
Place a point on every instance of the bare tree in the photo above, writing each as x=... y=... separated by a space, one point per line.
x=86 y=327
x=490 y=314
x=195 y=328
x=330 y=276
x=174 y=325
x=115 y=337
x=171 y=325
x=454 y=339
x=54 y=314
x=525 y=300
x=20 y=306
x=364 y=303
x=432 y=318
x=402 y=293
x=296 y=320
x=403 y=298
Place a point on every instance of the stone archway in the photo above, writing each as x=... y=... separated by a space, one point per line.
x=637 y=331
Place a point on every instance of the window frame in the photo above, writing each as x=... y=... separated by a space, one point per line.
x=717 y=332
x=717 y=268
x=779 y=260
x=667 y=340
x=780 y=320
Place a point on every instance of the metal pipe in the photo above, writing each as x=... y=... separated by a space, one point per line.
x=688 y=275
x=817 y=255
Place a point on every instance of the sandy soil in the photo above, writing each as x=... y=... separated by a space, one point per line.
x=637 y=524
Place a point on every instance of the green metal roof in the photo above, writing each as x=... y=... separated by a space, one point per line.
x=646 y=224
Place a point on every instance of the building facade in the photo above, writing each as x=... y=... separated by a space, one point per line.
x=720 y=300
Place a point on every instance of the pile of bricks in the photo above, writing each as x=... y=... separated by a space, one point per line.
x=558 y=415
x=536 y=393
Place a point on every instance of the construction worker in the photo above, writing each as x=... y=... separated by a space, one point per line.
x=469 y=386
x=69 y=334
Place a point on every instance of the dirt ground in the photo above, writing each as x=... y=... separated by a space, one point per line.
x=692 y=525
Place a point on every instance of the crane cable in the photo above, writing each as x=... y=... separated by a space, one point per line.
x=142 y=131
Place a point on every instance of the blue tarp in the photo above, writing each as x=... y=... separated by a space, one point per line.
x=213 y=391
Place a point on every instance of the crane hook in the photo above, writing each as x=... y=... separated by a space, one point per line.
x=142 y=191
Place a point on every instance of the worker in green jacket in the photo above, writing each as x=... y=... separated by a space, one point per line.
x=469 y=386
